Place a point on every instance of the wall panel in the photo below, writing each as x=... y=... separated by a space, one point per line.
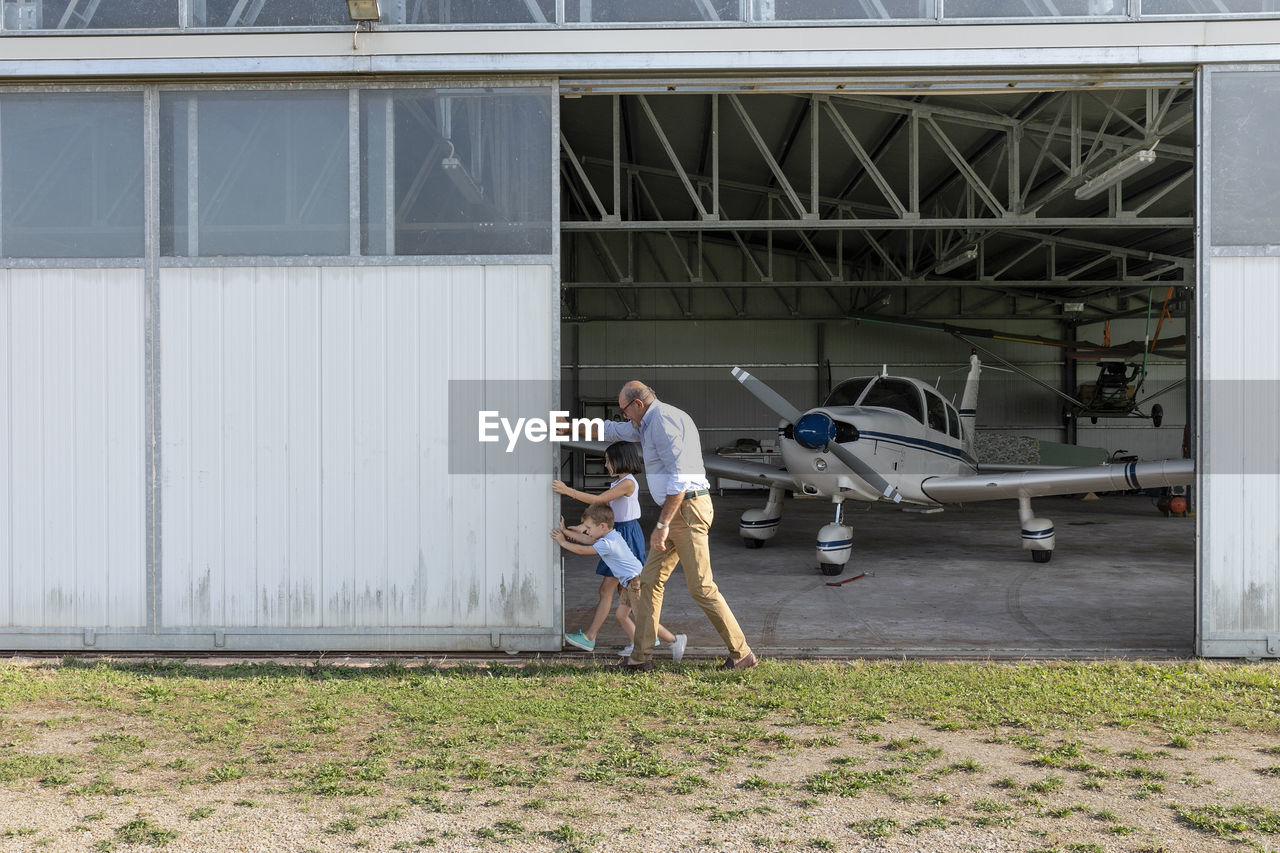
x=305 y=470
x=72 y=441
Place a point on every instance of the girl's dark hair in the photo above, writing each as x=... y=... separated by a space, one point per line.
x=625 y=457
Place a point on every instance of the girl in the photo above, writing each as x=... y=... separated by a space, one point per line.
x=623 y=461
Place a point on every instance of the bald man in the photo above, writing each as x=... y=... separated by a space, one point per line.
x=678 y=483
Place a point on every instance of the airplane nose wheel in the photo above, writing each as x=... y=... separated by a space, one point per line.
x=754 y=543
x=1041 y=556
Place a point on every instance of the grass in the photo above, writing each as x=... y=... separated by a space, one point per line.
x=440 y=739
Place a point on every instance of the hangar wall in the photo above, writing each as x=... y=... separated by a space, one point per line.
x=1238 y=392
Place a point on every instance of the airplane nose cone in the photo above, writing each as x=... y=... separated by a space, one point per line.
x=815 y=431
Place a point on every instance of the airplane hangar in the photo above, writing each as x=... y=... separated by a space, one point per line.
x=254 y=251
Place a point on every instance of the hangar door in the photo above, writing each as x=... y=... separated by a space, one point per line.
x=227 y=377
x=1239 y=388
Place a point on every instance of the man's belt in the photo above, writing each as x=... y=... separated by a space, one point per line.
x=697 y=493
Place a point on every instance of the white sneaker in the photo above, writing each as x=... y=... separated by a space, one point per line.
x=677 y=647
x=626 y=652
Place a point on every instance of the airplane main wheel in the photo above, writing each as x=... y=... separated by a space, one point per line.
x=1157 y=415
x=829 y=570
x=1041 y=556
x=754 y=543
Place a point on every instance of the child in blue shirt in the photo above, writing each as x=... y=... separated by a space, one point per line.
x=608 y=544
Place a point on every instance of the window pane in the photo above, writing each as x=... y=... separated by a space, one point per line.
x=456 y=172
x=896 y=394
x=90 y=15
x=953 y=423
x=848 y=10
x=937 y=412
x=71 y=176
x=1244 y=174
x=1208 y=7
x=474 y=12
x=847 y=392
x=269 y=13
x=624 y=11
x=261 y=173
x=1034 y=8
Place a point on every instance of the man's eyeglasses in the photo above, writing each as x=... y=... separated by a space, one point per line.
x=629 y=405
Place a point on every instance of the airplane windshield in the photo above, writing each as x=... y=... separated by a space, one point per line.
x=896 y=394
x=848 y=392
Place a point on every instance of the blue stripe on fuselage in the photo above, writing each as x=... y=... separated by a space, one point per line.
x=956 y=453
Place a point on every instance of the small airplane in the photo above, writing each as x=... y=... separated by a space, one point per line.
x=895 y=439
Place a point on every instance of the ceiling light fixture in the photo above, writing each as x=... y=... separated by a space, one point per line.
x=1117 y=173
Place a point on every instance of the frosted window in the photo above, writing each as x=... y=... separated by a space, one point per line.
x=849 y=10
x=254 y=173
x=1244 y=172
x=456 y=172
x=471 y=12
x=71 y=176
x=269 y=13
x=1034 y=8
x=90 y=14
x=624 y=11
x=1207 y=8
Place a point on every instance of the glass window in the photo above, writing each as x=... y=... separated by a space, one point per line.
x=1034 y=8
x=896 y=394
x=456 y=172
x=626 y=11
x=844 y=10
x=71 y=175
x=937 y=412
x=254 y=173
x=269 y=13
x=953 y=422
x=1244 y=124
x=90 y=14
x=472 y=12
x=1208 y=7
x=848 y=391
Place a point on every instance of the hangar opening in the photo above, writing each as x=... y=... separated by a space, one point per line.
x=816 y=230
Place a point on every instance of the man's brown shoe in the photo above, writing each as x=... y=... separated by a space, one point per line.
x=628 y=666
x=745 y=662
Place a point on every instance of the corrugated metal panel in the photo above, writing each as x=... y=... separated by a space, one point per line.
x=1240 y=498
x=305 y=450
x=72 y=441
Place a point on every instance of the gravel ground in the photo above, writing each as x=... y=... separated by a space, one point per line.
x=973 y=794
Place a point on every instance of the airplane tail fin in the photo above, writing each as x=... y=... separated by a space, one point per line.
x=969 y=405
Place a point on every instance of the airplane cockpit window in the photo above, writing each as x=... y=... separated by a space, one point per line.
x=937 y=412
x=896 y=394
x=953 y=422
x=848 y=391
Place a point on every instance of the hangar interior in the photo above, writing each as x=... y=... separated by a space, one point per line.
x=813 y=230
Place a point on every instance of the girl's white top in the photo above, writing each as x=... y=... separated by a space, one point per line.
x=626 y=508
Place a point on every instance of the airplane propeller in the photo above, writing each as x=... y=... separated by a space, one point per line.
x=816 y=431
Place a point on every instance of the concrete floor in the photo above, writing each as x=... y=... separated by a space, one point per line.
x=956 y=583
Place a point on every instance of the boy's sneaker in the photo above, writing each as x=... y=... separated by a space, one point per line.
x=677 y=647
x=626 y=652
x=579 y=639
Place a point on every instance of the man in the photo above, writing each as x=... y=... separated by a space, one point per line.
x=678 y=483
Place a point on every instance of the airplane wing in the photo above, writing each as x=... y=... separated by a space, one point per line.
x=721 y=466
x=1060 y=481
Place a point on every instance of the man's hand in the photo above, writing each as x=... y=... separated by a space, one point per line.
x=558 y=535
x=658 y=539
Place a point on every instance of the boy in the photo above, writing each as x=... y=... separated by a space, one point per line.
x=608 y=544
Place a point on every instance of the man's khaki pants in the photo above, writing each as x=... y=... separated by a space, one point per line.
x=686 y=545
